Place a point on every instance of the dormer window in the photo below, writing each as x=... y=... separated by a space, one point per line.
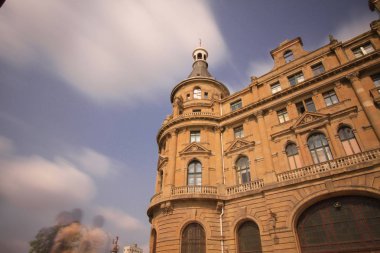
x=197 y=93
x=288 y=56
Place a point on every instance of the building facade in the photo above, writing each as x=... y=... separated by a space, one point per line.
x=291 y=163
x=132 y=249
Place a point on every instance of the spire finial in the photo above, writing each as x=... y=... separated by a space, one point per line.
x=200 y=42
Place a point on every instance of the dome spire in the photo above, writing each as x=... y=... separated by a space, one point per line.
x=200 y=64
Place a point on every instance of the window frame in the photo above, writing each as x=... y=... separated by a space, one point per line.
x=296 y=78
x=238 y=132
x=243 y=170
x=318 y=69
x=348 y=140
x=282 y=115
x=328 y=97
x=276 y=87
x=197 y=93
x=376 y=80
x=195 y=136
x=362 y=50
x=236 y=105
x=319 y=148
x=194 y=178
x=288 y=56
x=294 y=159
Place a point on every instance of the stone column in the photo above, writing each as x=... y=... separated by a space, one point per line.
x=169 y=183
x=366 y=102
x=218 y=155
x=303 y=148
x=270 y=175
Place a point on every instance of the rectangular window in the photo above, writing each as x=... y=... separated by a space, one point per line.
x=376 y=80
x=306 y=105
x=296 y=78
x=197 y=110
x=363 y=50
x=330 y=98
x=300 y=107
x=317 y=69
x=195 y=136
x=282 y=115
x=310 y=107
x=238 y=132
x=236 y=105
x=275 y=88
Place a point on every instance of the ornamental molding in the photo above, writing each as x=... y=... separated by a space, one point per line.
x=238 y=145
x=194 y=148
x=310 y=119
x=162 y=160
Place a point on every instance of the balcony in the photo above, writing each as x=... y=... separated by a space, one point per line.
x=332 y=165
x=194 y=189
x=251 y=186
x=375 y=94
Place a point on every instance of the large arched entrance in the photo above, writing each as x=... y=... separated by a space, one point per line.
x=193 y=239
x=341 y=224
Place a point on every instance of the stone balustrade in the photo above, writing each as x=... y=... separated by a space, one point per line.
x=194 y=189
x=253 y=185
x=156 y=198
x=337 y=163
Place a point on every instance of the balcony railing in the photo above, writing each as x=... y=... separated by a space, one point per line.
x=156 y=197
x=194 y=189
x=253 y=185
x=330 y=165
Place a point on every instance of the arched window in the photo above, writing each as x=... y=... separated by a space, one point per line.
x=194 y=173
x=341 y=224
x=197 y=93
x=288 y=56
x=293 y=156
x=199 y=56
x=348 y=140
x=193 y=239
x=153 y=239
x=242 y=169
x=248 y=236
x=319 y=148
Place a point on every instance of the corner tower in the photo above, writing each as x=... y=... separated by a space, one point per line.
x=189 y=169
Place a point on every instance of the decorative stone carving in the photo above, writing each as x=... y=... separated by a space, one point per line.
x=162 y=160
x=167 y=208
x=353 y=77
x=194 y=148
x=239 y=144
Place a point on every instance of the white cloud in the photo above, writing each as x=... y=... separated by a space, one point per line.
x=120 y=219
x=37 y=183
x=259 y=67
x=111 y=51
x=93 y=162
x=6 y=145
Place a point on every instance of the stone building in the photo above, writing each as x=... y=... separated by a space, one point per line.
x=133 y=248
x=290 y=163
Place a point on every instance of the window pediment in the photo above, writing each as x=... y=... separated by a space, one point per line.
x=310 y=119
x=239 y=144
x=194 y=148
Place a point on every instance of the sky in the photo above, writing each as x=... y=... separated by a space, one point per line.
x=85 y=86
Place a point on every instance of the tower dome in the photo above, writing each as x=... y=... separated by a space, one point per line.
x=200 y=64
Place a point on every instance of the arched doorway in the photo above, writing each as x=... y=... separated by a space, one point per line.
x=193 y=239
x=248 y=237
x=341 y=224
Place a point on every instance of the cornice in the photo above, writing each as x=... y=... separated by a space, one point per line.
x=264 y=104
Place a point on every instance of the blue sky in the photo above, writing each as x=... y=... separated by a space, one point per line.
x=85 y=86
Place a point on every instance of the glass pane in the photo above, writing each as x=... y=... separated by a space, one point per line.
x=314 y=156
x=321 y=155
x=249 y=238
x=347 y=147
x=355 y=146
x=292 y=163
x=328 y=153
